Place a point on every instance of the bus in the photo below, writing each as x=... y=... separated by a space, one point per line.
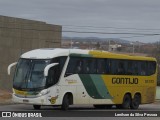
x=63 y=77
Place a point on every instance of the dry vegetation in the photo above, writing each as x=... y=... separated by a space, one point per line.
x=5 y=96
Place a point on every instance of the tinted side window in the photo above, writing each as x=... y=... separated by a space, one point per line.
x=121 y=67
x=101 y=66
x=89 y=66
x=81 y=65
x=113 y=66
x=151 y=68
x=55 y=72
x=53 y=76
x=74 y=66
x=143 y=68
x=136 y=68
x=108 y=66
x=129 y=70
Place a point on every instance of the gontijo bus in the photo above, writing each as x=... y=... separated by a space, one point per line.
x=74 y=76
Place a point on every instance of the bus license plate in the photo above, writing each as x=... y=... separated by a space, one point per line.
x=25 y=101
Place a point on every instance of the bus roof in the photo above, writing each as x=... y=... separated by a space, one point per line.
x=48 y=53
x=105 y=54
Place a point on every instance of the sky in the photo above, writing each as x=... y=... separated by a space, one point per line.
x=98 y=16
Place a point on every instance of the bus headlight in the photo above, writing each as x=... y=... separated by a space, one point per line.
x=44 y=92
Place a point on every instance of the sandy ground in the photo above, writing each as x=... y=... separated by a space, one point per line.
x=5 y=97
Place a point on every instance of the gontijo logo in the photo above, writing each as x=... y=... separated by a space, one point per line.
x=117 y=80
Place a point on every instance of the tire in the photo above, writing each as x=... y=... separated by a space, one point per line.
x=135 y=102
x=37 y=107
x=126 y=101
x=65 y=103
x=119 y=106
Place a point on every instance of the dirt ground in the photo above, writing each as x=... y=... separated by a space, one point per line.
x=5 y=96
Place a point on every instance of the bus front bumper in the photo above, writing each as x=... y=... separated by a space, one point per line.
x=41 y=100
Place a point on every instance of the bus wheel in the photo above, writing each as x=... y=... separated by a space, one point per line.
x=65 y=103
x=126 y=101
x=36 y=107
x=119 y=106
x=135 y=101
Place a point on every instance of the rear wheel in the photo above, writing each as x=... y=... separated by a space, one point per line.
x=65 y=103
x=37 y=107
x=126 y=102
x=135 y=101
x=118 y=106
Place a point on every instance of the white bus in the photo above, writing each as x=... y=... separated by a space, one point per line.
x=73 y=76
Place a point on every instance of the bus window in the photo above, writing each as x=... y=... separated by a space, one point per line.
x=93 y=66
x=74 y=66
x=55 y=72
x=121 y=67
x=53 y=76
x=101 y=66
x=113 y=66
x=151 y=68
x=135 y=68
x=86 y=66
x=129 y=70
x=78 y=66
x=61 y=60
x=108 y=66
x=89 y=66
x=143 y=68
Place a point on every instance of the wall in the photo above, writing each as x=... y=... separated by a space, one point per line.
x=20 y=35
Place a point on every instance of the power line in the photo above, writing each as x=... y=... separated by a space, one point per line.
x=133 y=36
x=108 y=27
x=115 y=33
x=90 y=32
x=114 y=30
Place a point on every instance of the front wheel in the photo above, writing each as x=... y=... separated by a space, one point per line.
x=65 y=103
x=135 y=102
x=36 y=107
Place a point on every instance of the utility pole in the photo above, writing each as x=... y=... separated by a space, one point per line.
x=108 y=45
x=71 y=44
x=132 y=47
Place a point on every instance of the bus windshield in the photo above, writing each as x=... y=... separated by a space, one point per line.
x=29 y=74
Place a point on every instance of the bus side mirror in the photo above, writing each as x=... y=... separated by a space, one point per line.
x=10 y=66
x=46 y=69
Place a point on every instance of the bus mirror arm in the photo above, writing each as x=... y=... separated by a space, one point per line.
x=10 y=66
x=46 y=69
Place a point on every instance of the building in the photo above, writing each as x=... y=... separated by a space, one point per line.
x=20 y=35
x=114 y=47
